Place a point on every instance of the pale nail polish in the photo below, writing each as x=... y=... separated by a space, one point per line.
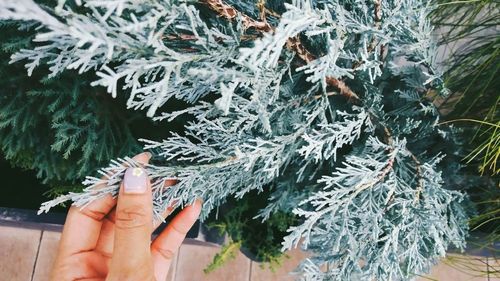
x=135 y=180
x=148 y=154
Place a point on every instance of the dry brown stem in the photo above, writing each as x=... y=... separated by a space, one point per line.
x=230 y=13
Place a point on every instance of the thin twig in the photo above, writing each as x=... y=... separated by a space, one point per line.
x=387 y=169
x=378 y=12
x=420 y=184
x=261 y=5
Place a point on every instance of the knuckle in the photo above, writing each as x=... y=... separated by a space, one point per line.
x=106 y=254
x=93 y=214
x=131 y=217
x=179 y=230
x=165 y=253
x=111 y=217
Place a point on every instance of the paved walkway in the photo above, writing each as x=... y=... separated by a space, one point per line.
x=27 y=253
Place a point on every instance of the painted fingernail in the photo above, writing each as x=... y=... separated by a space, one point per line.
x=135 y=180
x=148 y=154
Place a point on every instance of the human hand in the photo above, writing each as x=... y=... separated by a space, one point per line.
x=110 y=239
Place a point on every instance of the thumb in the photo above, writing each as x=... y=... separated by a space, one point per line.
x=133 y=225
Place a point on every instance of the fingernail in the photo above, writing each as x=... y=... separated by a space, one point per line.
x=148 y=154
x=135 y=180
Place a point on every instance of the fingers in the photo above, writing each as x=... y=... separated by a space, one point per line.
x=168 y=242
x=133 y=225
x=105 y=241
x=82 y=226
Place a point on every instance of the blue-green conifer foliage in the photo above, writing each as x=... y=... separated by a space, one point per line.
x=327 y=103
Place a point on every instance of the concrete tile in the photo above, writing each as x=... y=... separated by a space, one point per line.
x=493 y=267
x=459 y=268
x=262 y=272
x=18 y=251
x=46 y=255
x=48 y=252
x=192 y=259
x=453 y=268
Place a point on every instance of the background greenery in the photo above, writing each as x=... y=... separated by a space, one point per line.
x=470 y=34
x=61 y=128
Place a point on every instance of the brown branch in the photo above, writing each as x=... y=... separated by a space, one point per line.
x=382 y=53
x=387 y=168
x=344 y=90
x=379 y=178
x=191 y=37
x=294 y=43
x=183 y=37
x=378 y=21
x=261 y=5
x=230 y=13
x=378 y=12
x=388 y=135
x=420 y=184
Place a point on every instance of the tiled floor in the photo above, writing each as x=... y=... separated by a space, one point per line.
x=18 y=252
x=27 y=255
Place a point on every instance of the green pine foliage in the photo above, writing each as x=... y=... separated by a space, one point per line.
x=470 y=36
x=60 y=127
x=227 y=252
x=259 y=238
x=471 y=39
